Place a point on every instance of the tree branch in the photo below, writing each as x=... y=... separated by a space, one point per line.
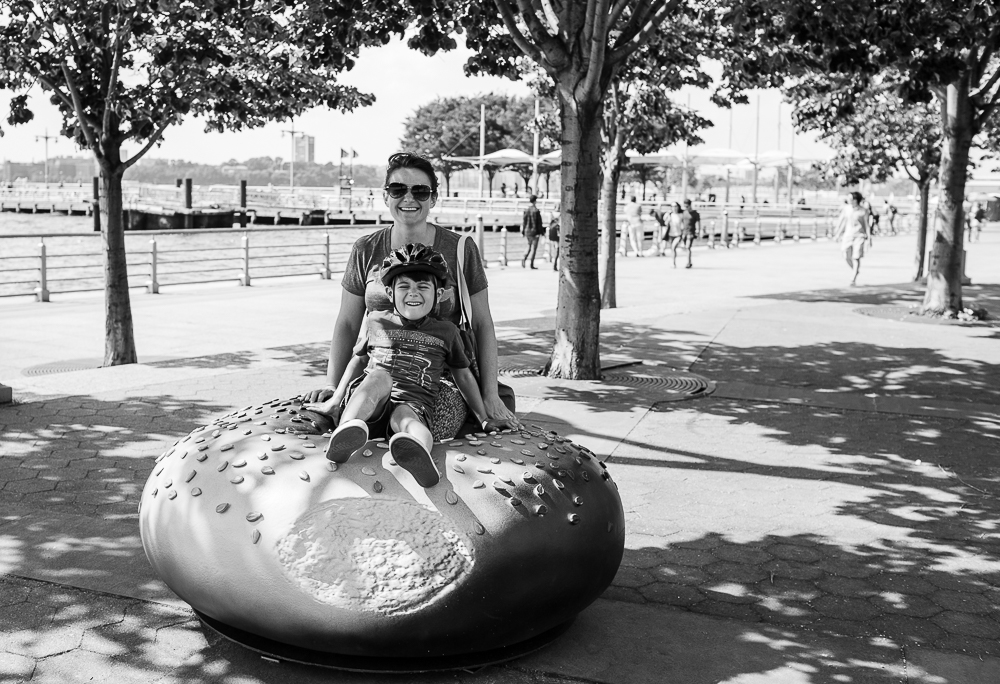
x=989 y=85
x=113 y=78
x=616 y=12
x=623 y=49
x=52 y=86
x=153 y=139
x=85 y=124
x=598 y=46
x=543 y=39
x=510 y=23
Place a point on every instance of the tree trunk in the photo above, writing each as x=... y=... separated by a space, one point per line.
x=944 y=272
x=119 y=342
x=447 y=184
x=925 y=190
x=614 y=159
x=576 y=353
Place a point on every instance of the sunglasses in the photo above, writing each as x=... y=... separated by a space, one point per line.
x=421 y=193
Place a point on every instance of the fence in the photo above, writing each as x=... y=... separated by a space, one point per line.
x=243 y=255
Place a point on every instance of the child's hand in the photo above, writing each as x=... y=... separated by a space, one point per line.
x=330 y=407
x=500 y=424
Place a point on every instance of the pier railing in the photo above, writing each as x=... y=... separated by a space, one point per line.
x=41 y=265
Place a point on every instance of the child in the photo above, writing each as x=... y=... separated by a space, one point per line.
x=406 y=351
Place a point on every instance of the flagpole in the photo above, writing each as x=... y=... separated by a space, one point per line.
x=534 y=163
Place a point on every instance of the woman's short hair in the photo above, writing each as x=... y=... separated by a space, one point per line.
x=409 y=160
x=857 y=196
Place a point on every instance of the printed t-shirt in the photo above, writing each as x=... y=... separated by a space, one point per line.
x=361 y=276
x=415 y=355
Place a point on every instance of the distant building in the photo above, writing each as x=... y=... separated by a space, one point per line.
x=305 y=148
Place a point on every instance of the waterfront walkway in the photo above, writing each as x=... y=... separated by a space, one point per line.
x=829 y=513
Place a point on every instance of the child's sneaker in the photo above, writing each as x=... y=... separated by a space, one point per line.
x=413 y=457
x=347 y=438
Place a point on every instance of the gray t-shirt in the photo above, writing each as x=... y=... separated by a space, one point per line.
x=365 y=262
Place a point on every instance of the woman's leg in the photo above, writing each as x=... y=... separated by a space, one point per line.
x=673 y=248
x=689 y=243
x=857 y=269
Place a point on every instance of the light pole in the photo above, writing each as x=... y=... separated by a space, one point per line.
x=46 y=138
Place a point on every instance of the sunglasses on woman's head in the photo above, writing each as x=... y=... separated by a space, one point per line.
x=421 y=193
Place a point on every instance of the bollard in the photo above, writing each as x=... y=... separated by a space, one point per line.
x=815 y=229
x=153 y=286
x=711 y=237
x=503 y=246
x=42 y=291
x=779 y=233
x=725 y=229
x=738 y=234
x=798 y=229
x=243 y=204
x=756 y=237
x=188 y=203
x=326 y=257
x=480 y=239
x=96 y=204
x=245 y=276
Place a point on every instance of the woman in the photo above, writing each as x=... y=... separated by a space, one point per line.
x=855 y=230
x=659 y=233
x=410 y=192
x=675 y=227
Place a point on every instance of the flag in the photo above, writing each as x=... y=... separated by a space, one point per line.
x=343 y=153
x=354 y=153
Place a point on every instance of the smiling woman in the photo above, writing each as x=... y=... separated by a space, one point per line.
x=410 y=192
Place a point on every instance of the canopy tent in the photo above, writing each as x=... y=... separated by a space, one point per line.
x=501 y=159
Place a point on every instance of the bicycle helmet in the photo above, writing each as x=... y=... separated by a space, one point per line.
x=414 y=258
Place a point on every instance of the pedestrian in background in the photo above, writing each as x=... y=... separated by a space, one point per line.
x=690 y=225
x=531 y=227
x=633 y=233
x=554 y=239
x=978 y=219
x=659 y=233
x=854 y=232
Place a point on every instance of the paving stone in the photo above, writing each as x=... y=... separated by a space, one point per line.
x=681 y=574
x=903 y=584
x=842 y=608
x=736 y=572
x=725 y=609
x=902 y=604
x=963 y=602
x=683 y=556
x=632 y=577
x=972 y=645
x=15 y=668
x=790 y=552
x=784 y=611
x=849 y=628
x=957 y=583
x=671 y=594
x=27 y=486
x=967 y=624
x=742 y=554
x=626 y=594
x=846 y=586
x=639 y=558
x=916 y=630
x=79 y=666
x=843 y=567
x=788 y=589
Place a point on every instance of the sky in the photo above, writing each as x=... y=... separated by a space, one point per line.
x=401 y=80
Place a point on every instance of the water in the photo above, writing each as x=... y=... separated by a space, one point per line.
x=74 y=260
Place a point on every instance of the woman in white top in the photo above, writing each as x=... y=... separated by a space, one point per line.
x=855 y=233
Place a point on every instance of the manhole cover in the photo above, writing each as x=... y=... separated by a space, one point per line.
x=66 y=366
x=518 y=371
x=678 y=385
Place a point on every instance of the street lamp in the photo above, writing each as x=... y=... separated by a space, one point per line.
x=46 y=138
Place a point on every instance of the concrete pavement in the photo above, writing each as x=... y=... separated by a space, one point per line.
x=827 y=514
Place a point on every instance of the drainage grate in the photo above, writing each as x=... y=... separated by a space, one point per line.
x=683 y=385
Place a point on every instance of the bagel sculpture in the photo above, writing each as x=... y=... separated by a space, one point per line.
x=247 y=521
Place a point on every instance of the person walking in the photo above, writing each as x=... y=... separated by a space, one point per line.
x=633 y=228
x=531 y=227
x=855 y=233
x=690 y=225
x=659 y=233
x=554 y=239
x=978 y=219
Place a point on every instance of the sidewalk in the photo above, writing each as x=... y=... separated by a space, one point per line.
x=827 y=514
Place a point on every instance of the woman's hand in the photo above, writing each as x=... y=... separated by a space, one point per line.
x=498 y=414
x=318 y=395
x=330 y=407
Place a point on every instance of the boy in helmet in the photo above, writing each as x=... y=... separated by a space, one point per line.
x=406 y=351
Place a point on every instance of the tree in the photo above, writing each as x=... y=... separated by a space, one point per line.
x=640 y=115
x=122 y=72
x=449 y=126
x=581 y=45
x=941 y=49
x=874 y=134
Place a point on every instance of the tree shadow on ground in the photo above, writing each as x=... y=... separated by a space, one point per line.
x=899 y=294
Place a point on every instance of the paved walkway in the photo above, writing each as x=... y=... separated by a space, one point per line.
x=828 y=514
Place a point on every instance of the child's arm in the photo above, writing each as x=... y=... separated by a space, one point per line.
x=467 y=385
x=331 y=407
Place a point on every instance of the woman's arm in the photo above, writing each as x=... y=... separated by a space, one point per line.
x=486 y=344
x=466 y=383
x=345 y=335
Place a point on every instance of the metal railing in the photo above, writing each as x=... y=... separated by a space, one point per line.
x=188 y=257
